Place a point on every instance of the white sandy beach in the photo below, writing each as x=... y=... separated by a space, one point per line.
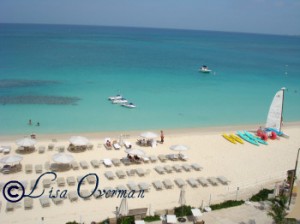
x=248 y=167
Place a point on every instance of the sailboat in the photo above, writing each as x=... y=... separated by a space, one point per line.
x=274 y=119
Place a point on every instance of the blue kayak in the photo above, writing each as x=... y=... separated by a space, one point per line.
x=246 y=138
x=259 y=140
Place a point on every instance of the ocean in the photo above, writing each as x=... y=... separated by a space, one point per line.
x=61 y=77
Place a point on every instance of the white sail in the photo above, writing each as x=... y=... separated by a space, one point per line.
x=274 y=118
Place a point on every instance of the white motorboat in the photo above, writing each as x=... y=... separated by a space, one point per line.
x=204 y=69
x=120 y=101
x=116 y=97
x=129 y=105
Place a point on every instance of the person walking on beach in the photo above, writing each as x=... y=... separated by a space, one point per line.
x=162 y=137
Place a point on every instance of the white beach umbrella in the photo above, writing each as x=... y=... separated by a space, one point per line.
x=79 y=140
x=179 y=147
x=11 y=159
x=136 y=152
x=26 y=142
x=123 y=208
x=62 y=158
x=149 y=135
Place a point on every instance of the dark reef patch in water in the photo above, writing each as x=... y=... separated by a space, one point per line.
x=53 y=100
x=14 y=83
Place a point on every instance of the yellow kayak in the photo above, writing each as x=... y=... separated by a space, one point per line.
x=236 y=138
x=229 y=138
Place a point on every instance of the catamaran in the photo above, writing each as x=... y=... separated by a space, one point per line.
x=274 y=119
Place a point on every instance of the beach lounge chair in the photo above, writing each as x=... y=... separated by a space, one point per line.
x=140 y=172
x=116 y=162
x=97 y=194
x=213 y=180
x=145 y=159
x=85 y=194
x=121 y=187
x=91 y=179
x=61 y=181
x=116 y=145
x=223 y=180
x=132 y=186
x=109 y=175
x=84 y=165
x=173 y=157
x=127 y=145
x=74 y=165
x=51 y=146
x=80 y=179
x=107 y=162
x=108 y=191
x=107 y=143
x=168 y=169
x=38 y=168
x=46 y=183
x=73 y=196
x=180 y=182
x=192 y=182
x=95 y=163
x=196 y=167
x=10 y=206
x=24 y=183
x=57 y=200
x=144 y=186
x=162 y=157
x=71 y=181
x=28 y=203
x=183 y=157
x=120 y=174
x=7 y=149
x=28 y=168
x=203 y=181
x=168 y=183
x=32 y=183
x=1 y=185
x=153 y=159
x=158 y=185
x=126 y=161
x=186 y=167
x=45 y=202
x=177 y=168
x=131 y=172
x=41 y=149
x=159 y=169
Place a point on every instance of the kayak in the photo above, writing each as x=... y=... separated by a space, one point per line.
x=227 y=137
x=237 y=138
x=259 y=140
x=246 y=138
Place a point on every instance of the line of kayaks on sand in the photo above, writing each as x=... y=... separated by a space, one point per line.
x=118 y=99
x=246 y=136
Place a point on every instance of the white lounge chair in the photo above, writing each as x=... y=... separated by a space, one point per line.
x=196 y=167
x=28 y=168
x=183 y=157
x=28 y=203
x=159 y=169
x=120 y=174
x=223 y=180
x=158 y=185
x=73 y=196
x=168 y=169
x=109 y=175
x=71 y=181
x=74 y=165
x=140 y=172
x=38 y=168
x=213 y=180
x=203 y=181
x=177 y=168
x=186 y=167
x=61 y=181
x=116 y=145
x=84 y=164
x=95 y=163
x=180 y=182
x=162 y=157
x=144 y=186
x=168 y=183
x=116 y=162
x=192 y=182
x=45 y=202
x=132 y=186
x=107 y=162
x=41 y=149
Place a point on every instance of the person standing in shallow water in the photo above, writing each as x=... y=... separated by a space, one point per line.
x=29 y=122
x=162 y=137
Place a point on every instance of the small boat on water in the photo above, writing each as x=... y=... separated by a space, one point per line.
x=204 y=69
x=129 y=105
x=120 y=101
x=116 y=97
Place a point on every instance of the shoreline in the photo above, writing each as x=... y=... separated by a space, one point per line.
x=168 y=132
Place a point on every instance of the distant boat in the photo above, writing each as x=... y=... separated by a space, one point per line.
x=204 y=69
x=274 y=119
x=129 y=105
x=116 y=97
x=120 y=101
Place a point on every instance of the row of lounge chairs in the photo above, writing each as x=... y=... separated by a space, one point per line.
x=177 y=168
x=122 y=174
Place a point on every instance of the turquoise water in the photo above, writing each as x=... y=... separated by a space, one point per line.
x=156 y=69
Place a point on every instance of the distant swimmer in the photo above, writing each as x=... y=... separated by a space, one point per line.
x=29 y=122
x=38 y=124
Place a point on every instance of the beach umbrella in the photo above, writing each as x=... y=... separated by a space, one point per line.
x=179 y=147
x=11 y=159
x=182 y=198
x=26 y=142
x=62 y=158
x=78 y=141
x=136 y=152
x=123 y=208
x=149 y=135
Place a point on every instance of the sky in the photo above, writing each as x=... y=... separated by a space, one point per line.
x=250 y=16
